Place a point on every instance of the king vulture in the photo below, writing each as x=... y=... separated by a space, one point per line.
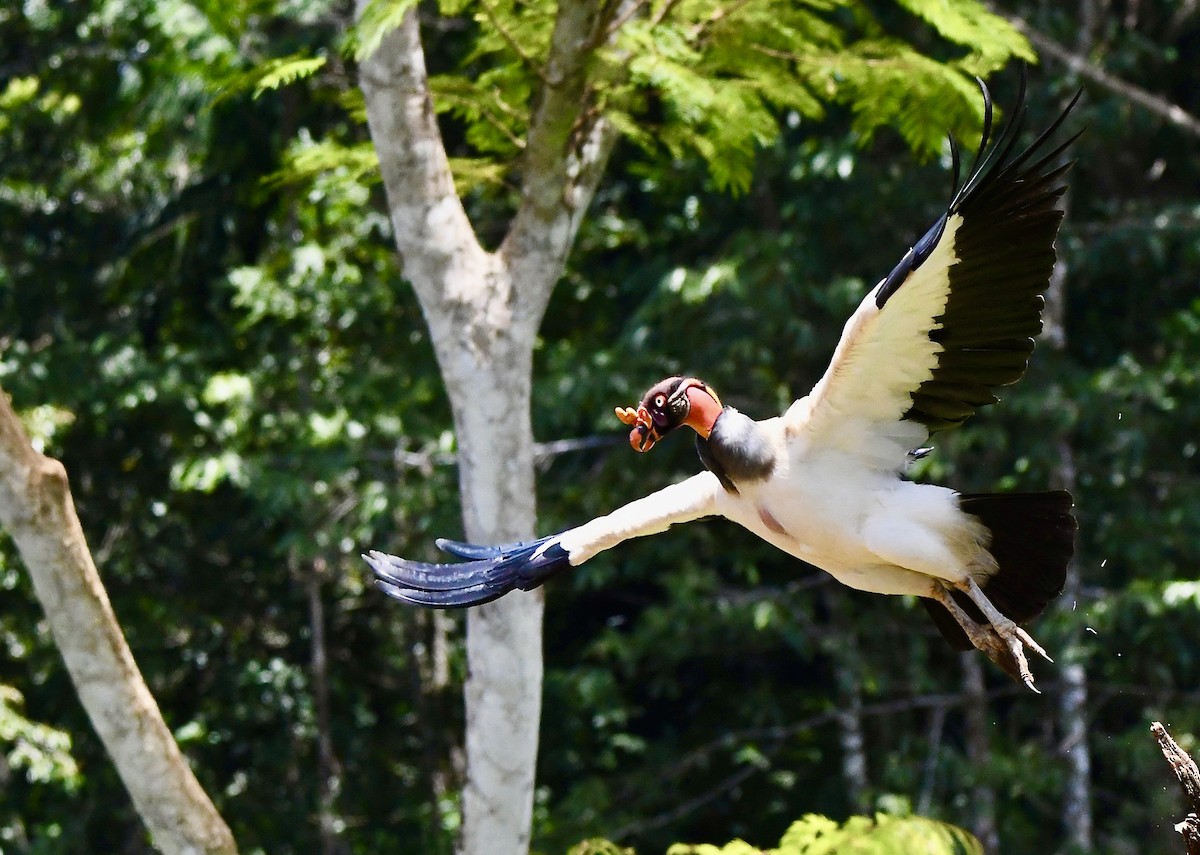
x=824 y=482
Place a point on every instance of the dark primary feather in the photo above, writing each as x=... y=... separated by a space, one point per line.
x=923 y=247
x=1005 y=247
x=492 y=572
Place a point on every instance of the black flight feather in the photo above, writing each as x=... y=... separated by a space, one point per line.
x=1005 y=246
x=491 y=572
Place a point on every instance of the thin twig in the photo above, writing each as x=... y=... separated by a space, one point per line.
x=690 y=806
x=547 y=450
x=1155 y=104
x=603 y=35
x=716 y=17
x=542 y=452
x=667 y=9
x=538 y=69
x=491 y=118
x=778 y=735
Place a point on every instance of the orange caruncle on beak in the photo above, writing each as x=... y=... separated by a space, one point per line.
x=643 y=436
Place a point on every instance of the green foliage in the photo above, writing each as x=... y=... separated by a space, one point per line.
x=270 y=75
x=991 y=39
x=722 y=74
x=206 y=322
x=599 y=846
x=42 y=752
x=818 y=835
x=700 y=77
x=306 y=161
x=883 y=834
x=378 y=19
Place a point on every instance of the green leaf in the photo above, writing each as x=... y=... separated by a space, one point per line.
x=42 y=751
x=373 y=25
x=305 y=160
x=859 y=835
x=281 y=72
x=269 y=75
x=991 y=38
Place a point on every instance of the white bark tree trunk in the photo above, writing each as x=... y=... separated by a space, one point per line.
x=37 y=511
x=1073 y=699
x=979 y=753
x=847 y=669
x=483 y=311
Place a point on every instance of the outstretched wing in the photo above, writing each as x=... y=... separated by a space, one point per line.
x=956 y=317
x=492 y=571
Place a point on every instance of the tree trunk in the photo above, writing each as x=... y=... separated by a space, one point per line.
x=847 y=667
x=1073 y=700
x=937 y=726
x=979 y=754
x=854 y=755
x=329 y=776
x=37 y=510
x=483 y=311
x=504 y=638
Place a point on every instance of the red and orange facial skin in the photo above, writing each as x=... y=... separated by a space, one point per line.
x=669 y=404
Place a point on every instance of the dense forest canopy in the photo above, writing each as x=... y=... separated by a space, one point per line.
x=204 y=318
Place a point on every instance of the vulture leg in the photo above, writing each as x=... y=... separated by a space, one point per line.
x=1001 y=639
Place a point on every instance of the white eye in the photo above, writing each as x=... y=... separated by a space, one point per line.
x=660 y=401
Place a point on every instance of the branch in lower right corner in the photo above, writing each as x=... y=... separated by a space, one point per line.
x=1188 y=775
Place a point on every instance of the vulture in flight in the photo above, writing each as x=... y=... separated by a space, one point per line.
x=825 y=481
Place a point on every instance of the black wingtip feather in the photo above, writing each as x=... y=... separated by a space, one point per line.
x=491 y=572
x=463 y=598
x=1004 y=245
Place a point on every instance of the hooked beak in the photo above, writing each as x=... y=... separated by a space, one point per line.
x=643 y=436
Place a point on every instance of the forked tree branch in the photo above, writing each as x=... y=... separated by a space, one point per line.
x=442 y=257
x=567 y=148
x=36 y=509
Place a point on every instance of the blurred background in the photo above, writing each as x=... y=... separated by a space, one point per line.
x=203 y=317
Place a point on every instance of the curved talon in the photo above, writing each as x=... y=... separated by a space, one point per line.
x=1028 y=641
x=1000 y=638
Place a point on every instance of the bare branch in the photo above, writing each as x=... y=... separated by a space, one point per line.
x=543 y=452
x=491 y=117
x=623 y=17
x=1156 y=104
x=690 y=806
x=1188 y=776
x=777 y=736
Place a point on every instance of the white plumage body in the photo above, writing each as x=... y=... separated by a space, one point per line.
x=863 y=525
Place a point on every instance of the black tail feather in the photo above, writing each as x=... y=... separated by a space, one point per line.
x=1032 y=540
